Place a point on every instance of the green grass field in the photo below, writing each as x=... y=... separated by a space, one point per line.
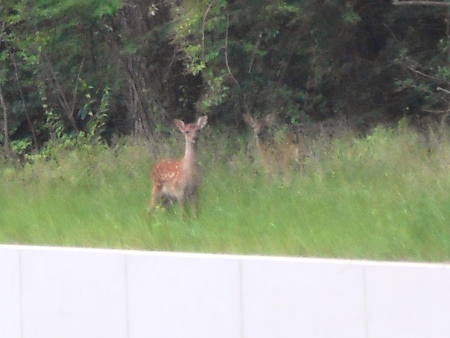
x=383 y=197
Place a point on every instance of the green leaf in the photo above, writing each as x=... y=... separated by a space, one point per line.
x=351 y=17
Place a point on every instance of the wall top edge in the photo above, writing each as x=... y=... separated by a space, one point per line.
x=223 y=256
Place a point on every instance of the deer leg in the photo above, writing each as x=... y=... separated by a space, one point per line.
x=286 y=165
x=180 y=200
x=155 y=196
x=194 y=203
x=266 y=163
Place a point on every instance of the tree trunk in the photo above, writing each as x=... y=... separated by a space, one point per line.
x=5 y=121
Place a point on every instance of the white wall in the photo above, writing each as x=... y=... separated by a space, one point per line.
x=88 y=293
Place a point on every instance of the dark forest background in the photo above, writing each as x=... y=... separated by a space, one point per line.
x=103 y=69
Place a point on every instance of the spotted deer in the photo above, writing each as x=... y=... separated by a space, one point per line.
x=276 y=153
x=178 y=180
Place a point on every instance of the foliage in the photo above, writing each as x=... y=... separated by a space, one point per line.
x=420 y=53
x=308 y=60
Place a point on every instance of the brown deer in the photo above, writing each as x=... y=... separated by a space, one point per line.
x=179 y=179
x=277 y=154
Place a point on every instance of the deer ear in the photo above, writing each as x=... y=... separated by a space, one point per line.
x=180 y=125
x=249 y=120
x=201 y=122
x=271 y=118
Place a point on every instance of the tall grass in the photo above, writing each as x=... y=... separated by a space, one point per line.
x=384 y=196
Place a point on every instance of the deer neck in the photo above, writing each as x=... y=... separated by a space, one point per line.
x=259 y=141
x=190 y=157
x=262 y=141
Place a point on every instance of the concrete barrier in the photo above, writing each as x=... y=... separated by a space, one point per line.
x=50 y=292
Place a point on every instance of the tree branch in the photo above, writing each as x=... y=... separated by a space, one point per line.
x=61 y=97
x=5 y=119
x=420 y=2
x=254 y=53
x=432 y=78
x=75 y=89
x=226 y=53
x=203 y=28
x=443 y=90
x=3 y=103
x=22 y=97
